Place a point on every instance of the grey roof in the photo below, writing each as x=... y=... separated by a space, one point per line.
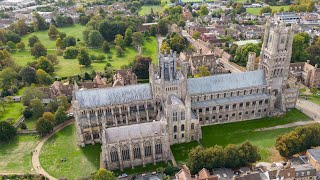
x=225 y=82
x=230 y=100
x=315 y=153
x=133 y=131
x=112 y=96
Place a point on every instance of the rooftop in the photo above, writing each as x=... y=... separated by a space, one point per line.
x=112 y=96
x=225 y=82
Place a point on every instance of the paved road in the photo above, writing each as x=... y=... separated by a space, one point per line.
x=35 y=157
x=309 y=108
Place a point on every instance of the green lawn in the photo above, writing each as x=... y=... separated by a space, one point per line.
x=239 y=132
x=12 y=111
x=70 y=67
x=313 y=98
x=181 y=151
x=145 y=10
x=256 y=11
x=75 y=31
x=16 y=155
x=80 y=162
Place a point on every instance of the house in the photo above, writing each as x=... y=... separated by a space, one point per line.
x=124 y=77
x=314 y=158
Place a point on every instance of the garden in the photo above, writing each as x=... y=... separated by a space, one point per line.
x=239 y=132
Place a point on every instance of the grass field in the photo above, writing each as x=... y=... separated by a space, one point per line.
x=313 y=98
x=141 y=169
x=181 y=151
x=145 y=10
x=11 y=111
x=239 y=132
x=16 y=155
x=70 y=67
x=256 y=11
x=79 y=162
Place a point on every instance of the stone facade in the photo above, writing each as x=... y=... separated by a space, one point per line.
x=306 y=73
x=172 y=108
x=124 y=77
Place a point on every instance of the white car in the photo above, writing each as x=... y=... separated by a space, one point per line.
x=122 y=176
x=70 y=114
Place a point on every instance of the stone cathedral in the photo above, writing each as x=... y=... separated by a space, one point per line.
x=136 y=124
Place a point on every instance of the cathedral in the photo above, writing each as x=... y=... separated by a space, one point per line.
x=136 y=124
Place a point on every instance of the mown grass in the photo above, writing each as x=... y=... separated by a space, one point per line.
x=79 y=162
x=141 y=169
x=239 y=132
x=181 y=151
x=256 y=11
x=11 y=111
x=15 y=156
x=145 y=10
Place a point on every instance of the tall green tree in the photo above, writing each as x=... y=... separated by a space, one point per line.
x=39 y=23
x=31 y=93
x=37 y=107
x=7 y=131
x=128 y=36
x=53 y=32
x=33 y=40
x=44 y=64
x=44 y=126
x=95 y=39
x=204 y=10
x=38 y=50
x=83 y=57
x=299 y=53
x=28 y=74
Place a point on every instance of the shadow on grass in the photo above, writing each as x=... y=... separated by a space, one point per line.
x=92 y=153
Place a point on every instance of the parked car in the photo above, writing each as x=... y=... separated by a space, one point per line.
x=122 y=176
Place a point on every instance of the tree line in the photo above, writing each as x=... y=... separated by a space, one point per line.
x=231 y=156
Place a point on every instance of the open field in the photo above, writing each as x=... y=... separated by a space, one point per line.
x=256 y=11
x=70 y=67
x=16 y=155
x=145 y=10
x=239 y=132
x=79 y=162
x=11 y=111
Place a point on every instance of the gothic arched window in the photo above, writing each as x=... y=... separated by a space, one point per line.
x=182 y=127
x=147 y=149
x=87 y=137
x=174 y=128
x=136 y=151
x=114 y=155
x=158 y=147
x=125 y=153
x=192 y=126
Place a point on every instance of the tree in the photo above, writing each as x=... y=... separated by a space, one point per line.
x=119 y=51
x=232 y=156
x=242 y=52
x=8 y=76
x=153 y=30
x=31 y=93
x=95 y=39
x=128 y=36
x=53 y=59
x=39 y=23
x=119 y=41
x=28 y=75
x=63 y=102
x=266 y=9
x=43 y=127
x=37 y=107
x=140 y=66
x=7 y=131
x=48 y=116
x=21 y=27
x=204 y=10
x=38 y=50
x=84 y=58
x=43 y=77
x=21 y=46
x=45 y=64
x=53 y=32
x=202 y=72
x=11 y=36
x=196 y=35
x=177 y=43
x=60 y=115
x=104 y=174
x=11 y=45
x=181 y=23
x=69 y=41
x=33 y=40
x=165 y=48
x=106 y=47
x=71 y=52
x=248 y=153
x=299 y=53
x=59 y=43
x=163 y=27
x=137 y=40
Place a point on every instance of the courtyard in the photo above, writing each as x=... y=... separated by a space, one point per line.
x=239 y=132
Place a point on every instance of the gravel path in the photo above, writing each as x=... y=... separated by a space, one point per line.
x=299 y=123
